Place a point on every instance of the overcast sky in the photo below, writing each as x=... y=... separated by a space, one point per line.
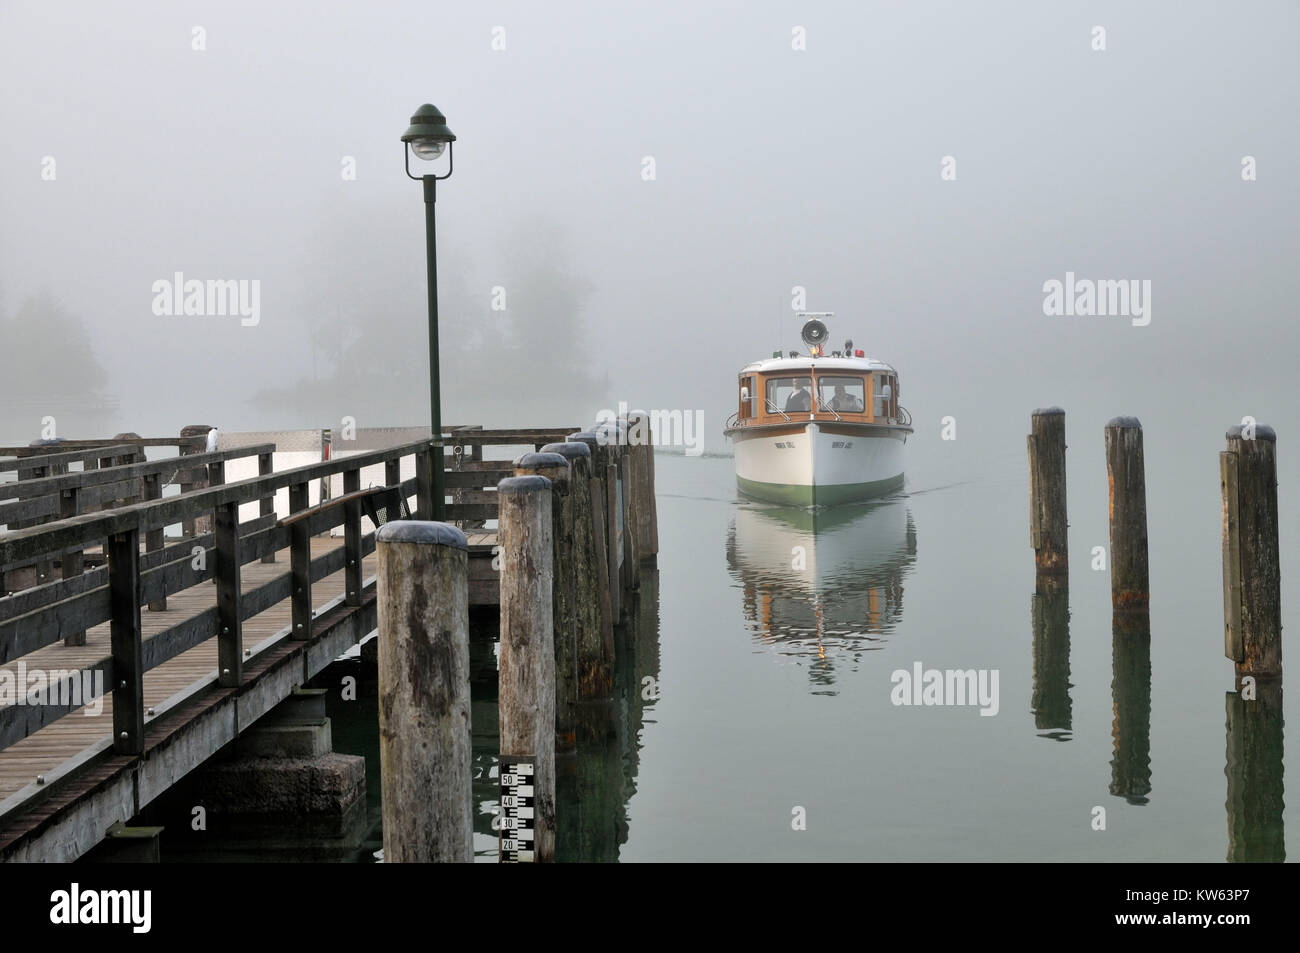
x=774 y=167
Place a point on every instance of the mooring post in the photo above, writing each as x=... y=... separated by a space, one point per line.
x=1048 y=526
x=526 y=680
x=596 y=646
x=1252 y=580
x=1125 y=469
x=564 y=595
x=591 y=621
x=648 y=534
x=627 y=468
x=425 y=757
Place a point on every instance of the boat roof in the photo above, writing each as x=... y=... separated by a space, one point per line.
x=823 y=364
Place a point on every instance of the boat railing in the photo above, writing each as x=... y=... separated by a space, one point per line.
x=904 y=417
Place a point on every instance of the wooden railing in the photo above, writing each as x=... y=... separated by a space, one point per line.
x=43 y=615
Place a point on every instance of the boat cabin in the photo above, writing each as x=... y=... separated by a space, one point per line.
x=779 y=390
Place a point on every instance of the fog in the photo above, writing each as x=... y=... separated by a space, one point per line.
x=774 y=168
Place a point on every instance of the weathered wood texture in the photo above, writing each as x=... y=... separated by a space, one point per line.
x=1252 y=572
x=526 y=692
x=424 y=705
x=1130 y=586
x=593 y=637
x=1048 y=525
x=564 y=595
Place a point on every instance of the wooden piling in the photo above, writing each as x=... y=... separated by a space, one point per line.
x=424 y=701
x=1125 y=469
x=1048 y=526
x=527 y=679
x=564 y=594
x=643 y=451
x=594 y=631
x=1252 y=581
x=596 y=654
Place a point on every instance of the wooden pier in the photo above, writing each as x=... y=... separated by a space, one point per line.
x=193 y=639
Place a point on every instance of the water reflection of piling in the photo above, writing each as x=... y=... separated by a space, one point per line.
x=1050 y=702
x=1130 y=766
x=598 y=781
x=1254 y=771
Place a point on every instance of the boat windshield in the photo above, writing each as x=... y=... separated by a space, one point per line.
x=789 y=395
x=841 y=394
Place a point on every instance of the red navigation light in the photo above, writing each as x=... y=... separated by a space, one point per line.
x=858 y=353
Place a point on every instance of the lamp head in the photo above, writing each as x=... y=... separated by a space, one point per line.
x=428 y=135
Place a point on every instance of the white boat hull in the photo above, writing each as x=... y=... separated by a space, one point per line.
x=819 y=463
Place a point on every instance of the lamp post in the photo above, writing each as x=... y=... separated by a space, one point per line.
x=428 y=137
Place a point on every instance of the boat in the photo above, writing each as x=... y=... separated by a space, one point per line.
x=818 y=429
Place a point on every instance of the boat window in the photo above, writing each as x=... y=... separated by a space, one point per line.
x=841 y=394
x=884 y=395
x=789 y=395
x=748 y=397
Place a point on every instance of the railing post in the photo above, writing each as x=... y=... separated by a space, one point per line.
x=123 y=551
x=352 y=539
x=424 y=464
x=526 y=680
x=425 y=752
x=300 y=562
x=72 y=561
x=230 y=637
x=266 y=505
x=154 y=539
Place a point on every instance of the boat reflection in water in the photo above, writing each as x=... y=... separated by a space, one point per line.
x=824 y=586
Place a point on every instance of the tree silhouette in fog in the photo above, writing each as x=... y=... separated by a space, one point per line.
x=367 y=324
x=52 y=371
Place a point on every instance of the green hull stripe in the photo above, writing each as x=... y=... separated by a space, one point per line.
x=795 y=495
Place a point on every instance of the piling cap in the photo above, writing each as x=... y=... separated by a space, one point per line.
x=523 y=484
x=583 y=436
x=570 y=450
x=542 y=461
x=1124 y=423
x=421 y=531
x=1049 y=412
x=1262 y=432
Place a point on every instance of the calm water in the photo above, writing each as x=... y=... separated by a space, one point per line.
x=774 y=688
